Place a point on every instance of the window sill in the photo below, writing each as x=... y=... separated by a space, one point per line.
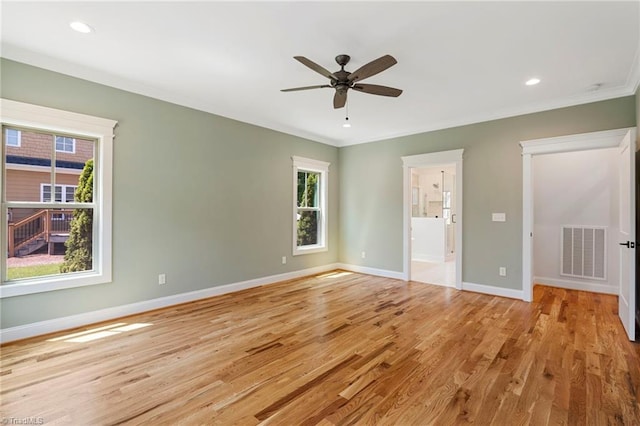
x=310 y=249
x=51 y=283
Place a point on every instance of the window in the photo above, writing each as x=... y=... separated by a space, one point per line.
x=65 y=144
x=64 y=193
x=29 y=215
x=310 y=184
x=12 y=137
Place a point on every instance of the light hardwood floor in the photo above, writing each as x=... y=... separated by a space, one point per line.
x=337 y=349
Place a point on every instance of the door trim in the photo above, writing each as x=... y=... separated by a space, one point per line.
x=431 y=160
x=577 y=142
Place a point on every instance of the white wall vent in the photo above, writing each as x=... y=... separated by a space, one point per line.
x=584 y=252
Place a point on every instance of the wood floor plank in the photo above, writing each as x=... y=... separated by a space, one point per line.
x=336 y=349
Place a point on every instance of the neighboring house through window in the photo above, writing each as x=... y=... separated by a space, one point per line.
x=12 y=137
x=64 y=193
x=31 y=219
x=310 y=218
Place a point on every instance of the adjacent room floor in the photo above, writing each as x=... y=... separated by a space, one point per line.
x=439 y=273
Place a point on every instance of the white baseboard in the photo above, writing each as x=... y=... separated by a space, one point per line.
x=73 y=321
x=576 y=285
x=371 y=271
x=494 y=291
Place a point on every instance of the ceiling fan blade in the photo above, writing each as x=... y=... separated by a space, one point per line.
x=340 y=98
x=317 y=68
x=372 y=68
x=374 y=89
x=294 y=89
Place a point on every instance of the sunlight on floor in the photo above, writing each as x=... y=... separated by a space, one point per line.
x=99 y=332
x=334 y=275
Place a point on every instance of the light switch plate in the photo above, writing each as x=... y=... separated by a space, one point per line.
x=499 y=217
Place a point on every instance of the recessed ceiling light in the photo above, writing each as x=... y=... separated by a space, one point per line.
x=80 y=27
x=532 y=81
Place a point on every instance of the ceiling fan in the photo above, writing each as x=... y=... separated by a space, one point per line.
x=343 y=80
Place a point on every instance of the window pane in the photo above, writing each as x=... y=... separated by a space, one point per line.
x=69 y=171
x=69 y=192
x=65 y=144
x=302 y=178
x=308 y=227
x=49 y=242
x=46 y=193
x=28 y=166
x=12 y=137
x=79 y=244
x=308 y=189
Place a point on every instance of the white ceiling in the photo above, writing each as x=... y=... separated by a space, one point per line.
x=458 y=62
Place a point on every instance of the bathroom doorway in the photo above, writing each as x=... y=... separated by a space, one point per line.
x=433 y=215
x=433 y=227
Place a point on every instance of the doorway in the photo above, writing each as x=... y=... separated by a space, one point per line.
x=624 y=141
x=433 y=218
x=576 y=220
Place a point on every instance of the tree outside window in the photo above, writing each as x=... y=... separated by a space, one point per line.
x=308 y=208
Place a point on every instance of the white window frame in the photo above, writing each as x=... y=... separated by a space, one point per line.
x=19 y=134
x=63 y=189
x=19 y=114
x=308 y=165
x=73 y=144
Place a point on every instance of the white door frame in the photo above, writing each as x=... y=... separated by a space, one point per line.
x=578 y=142
x=431 y=160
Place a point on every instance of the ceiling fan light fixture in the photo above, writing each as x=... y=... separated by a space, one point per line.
x=80 y=27
x=346 y=123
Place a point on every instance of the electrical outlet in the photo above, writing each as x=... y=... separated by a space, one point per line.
x=364 y=255
x=502 y=271
x=284 y=260
x=499 y=217
x=162 y=279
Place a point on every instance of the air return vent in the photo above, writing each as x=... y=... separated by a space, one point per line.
x=584 y=252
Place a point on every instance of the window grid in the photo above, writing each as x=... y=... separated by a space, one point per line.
x=65 y=144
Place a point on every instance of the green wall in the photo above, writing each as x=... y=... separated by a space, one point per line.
x=205 y=199
x=371 y=187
